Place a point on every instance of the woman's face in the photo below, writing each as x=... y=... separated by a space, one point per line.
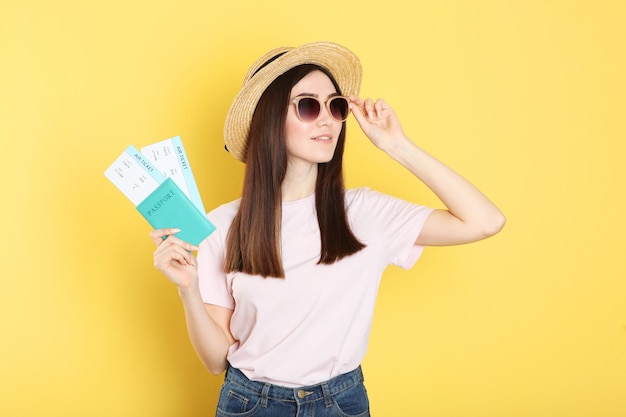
x=312 y=142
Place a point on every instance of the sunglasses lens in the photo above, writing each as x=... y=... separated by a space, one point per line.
x=339 y=108
x=308 y=109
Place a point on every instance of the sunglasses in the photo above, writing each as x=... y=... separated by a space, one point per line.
x=308 y=109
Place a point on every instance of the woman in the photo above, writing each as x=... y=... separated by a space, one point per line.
x=281 y=296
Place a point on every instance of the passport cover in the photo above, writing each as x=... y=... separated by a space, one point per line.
x=168 y=206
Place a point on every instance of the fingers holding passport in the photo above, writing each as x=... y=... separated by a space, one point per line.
x=173 y=256
x=159 y=235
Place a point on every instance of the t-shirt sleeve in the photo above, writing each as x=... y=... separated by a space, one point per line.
x=214 y=284
x=393 y=225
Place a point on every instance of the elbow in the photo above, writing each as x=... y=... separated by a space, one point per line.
x=215 y=366
x=216 y=369
x=494 y=225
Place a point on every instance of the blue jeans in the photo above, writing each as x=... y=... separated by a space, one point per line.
x=342 y=396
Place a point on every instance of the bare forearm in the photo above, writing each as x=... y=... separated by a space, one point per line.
x=479 y=216
x=470 y=216
x=207 y=338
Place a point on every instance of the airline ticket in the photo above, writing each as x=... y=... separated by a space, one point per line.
x=134 y=175
x=170 y=157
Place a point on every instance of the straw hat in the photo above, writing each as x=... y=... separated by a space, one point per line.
x=342 y=63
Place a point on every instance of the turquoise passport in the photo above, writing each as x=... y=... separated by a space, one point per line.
x=168 y=206
x=161 y=194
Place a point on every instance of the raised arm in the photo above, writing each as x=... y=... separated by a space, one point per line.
x=470 y=215
x=208 y=325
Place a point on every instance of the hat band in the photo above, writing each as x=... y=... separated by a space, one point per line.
x=266 y=63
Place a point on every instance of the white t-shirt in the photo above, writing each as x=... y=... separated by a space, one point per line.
x=315 y=323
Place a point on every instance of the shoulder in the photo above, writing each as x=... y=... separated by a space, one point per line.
x=358 y=194
x=356 y=197
x=366 y=202
x=224 y=214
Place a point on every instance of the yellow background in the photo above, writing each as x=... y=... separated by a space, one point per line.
x=525 y=98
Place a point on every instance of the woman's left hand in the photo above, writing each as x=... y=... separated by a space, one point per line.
x=378 y=121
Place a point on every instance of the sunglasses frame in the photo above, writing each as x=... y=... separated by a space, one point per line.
x=296 y=101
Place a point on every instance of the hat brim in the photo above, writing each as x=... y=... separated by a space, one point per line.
x=342 y=63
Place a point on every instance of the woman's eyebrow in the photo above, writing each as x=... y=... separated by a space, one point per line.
x=307 y=95
x=335 y=94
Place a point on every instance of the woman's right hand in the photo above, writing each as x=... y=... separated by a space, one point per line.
x=174 y=259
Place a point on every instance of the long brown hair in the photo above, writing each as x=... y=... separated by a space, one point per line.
x=253 y=242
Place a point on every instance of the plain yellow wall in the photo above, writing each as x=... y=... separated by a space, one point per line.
x=526 y=98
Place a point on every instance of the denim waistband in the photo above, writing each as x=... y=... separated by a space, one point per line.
x=319 y=391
